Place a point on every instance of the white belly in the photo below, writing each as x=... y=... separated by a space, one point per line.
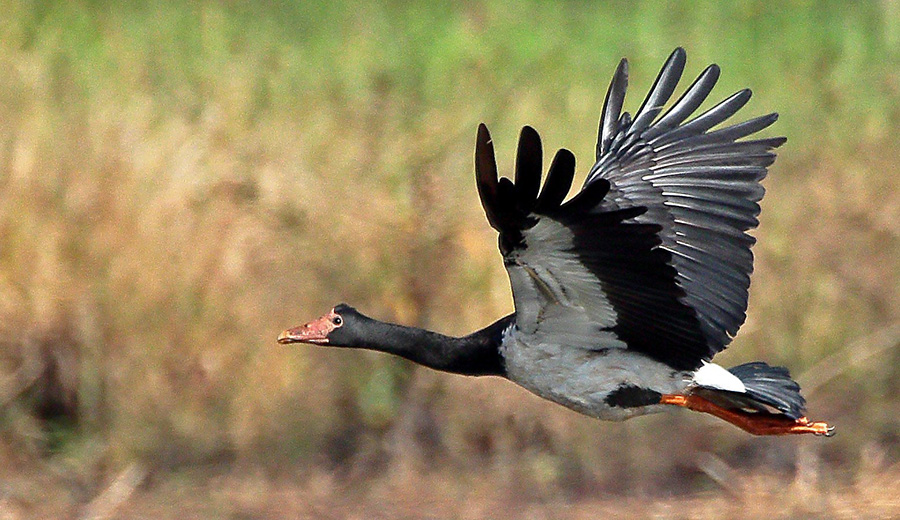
x=582 y=379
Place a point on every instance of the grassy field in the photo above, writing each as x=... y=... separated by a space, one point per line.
x=180 y=182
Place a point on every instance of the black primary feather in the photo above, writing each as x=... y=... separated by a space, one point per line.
x=486 y=176
x=612 y=108
x=528 y=168
x=660 y=92
x=558 y=183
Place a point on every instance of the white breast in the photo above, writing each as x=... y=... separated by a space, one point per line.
x=581 y=379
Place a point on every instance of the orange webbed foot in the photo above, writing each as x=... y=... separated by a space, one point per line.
x=757 y=423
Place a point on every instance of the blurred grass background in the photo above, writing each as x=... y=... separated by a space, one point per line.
x=181 y=181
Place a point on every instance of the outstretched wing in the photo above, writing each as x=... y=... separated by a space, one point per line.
x=652 y=254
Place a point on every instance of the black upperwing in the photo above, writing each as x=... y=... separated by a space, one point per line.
x=652 y=253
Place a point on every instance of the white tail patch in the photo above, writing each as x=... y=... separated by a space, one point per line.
x=711 y=375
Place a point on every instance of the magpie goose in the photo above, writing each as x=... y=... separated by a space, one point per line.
x=625 y=292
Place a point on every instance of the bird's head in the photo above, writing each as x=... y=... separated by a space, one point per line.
x=338 y=328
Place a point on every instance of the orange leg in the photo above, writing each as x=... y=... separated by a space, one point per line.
x=757 y=423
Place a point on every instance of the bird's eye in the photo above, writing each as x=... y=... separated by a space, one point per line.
x=337 y=320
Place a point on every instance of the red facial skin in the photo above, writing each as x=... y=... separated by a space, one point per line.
x=315 y=332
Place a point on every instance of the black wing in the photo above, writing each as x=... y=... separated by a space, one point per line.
x=652 y=254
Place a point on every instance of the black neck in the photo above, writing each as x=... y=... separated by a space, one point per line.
x=477 y=354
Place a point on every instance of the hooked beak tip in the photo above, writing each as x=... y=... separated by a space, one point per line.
x=285 y=337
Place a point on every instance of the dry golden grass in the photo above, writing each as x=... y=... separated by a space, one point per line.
x=178 y=184
x=403 y=492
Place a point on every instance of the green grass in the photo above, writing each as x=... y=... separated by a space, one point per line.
x=180 y=181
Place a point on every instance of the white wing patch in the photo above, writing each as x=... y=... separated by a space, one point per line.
x=711 y=375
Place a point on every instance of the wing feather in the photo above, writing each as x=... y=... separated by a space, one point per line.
x=652 y=254
x=559 y=181
x=612 y=108
x=660 y=92
x=528 y=168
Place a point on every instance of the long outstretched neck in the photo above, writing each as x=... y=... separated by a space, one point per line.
x=475 y=354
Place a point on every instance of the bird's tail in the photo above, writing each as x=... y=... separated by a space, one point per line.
x=765 y=388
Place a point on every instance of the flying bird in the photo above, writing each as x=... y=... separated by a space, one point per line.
x=624 y=292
